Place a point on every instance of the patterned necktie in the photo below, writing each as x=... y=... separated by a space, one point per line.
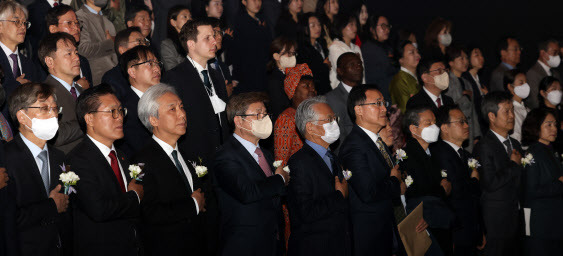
x=263 y=163
x=439 y=102
x=116 y=171
x=180 y=169
x=73 y=92
x=206 y=82
x=508 y=147
x=5 y=128
x=330 y=156
x=44 y=170
x=16 y=67
x=381 y=148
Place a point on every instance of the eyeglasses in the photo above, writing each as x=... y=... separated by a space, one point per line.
x=385 y=26
x=440 y=70
x=45 y=110
x=152 y=63
x=141 y=41
x=461 y=121
x=259 y=116
x=18 y=23
x=115 y=113
x=380 y=103
x=71 y=23
x=330 y=119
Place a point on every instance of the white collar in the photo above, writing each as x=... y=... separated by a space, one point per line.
x=63 y=83
x=433 y=97
x=52 y=2
x=454 y=146
x=35 y=150
x=165 y=146
x=409 y=72
x=372 y=135
x=196 y=65
x=7 y=50
x=103 y=148
x=502 y=139
x=518 y=104
x=545 y=67
x=137 y=91
x=346 y=87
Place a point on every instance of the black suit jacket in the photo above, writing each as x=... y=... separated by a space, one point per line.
x=37 y=12
x=543 y=193
x=104 y=217
x=9 y=245
x=248 y=201
x=278 y=99
x=500 y=186
x=204 y=134
x=308 y=54
x=85 y=68
x=423 y=99
x=170 y=223
x=371 y=190
x=318 y=212
x=136 y=134
x=464 y=197
x=41 y=229
x=118 y=81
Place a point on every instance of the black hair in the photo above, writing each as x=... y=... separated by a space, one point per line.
x=425 y=65
x=531 y=127
x=189 y=31
x=132 y=11
x=122 y=38
x=412 y=117
x=543 y=45
x=133 y=56
x=491 y=101
x=357 y=96
x=171 y=32
x=53 y=14
x=48 y=45
x=503 y=43
x=545 y=83
x=443 y=114
x=454 y=51
x=509 y=77
x=400 y=50
x=89 y=101
x=340 y=22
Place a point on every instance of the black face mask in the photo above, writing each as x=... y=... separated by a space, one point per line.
x=101 y=3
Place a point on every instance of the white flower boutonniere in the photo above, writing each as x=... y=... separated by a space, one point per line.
x=527 y=160
x=135 y=171
x=278 y=163
x=473 y=163
x=286 y=169
x=200 y=169
x=444 y=173
x=347 y=174
x=409 y=181
x=69 y=179
x=401 y=155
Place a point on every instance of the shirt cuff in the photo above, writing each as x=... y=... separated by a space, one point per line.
x=196 y=206
x=281 y=177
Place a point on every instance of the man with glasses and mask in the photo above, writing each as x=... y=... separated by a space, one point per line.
x=248 y=185
x=108 y=199
x=318 y=192
x=143 y=71
x=435 y=80
x=509 y=51
x=376 y=180
x=43 y=223
x=464 y=198
x=548 y=61
x=57 y=52
x=62 y=18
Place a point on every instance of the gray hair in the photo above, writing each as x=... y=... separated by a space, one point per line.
x=305 y=113
x=148 y=104
x=9 y=8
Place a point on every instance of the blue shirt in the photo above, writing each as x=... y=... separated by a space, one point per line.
x=35 y=150
x=510 y=67
x=322 y=151
x=66 y=85
x=248 y=146
x=92 y=10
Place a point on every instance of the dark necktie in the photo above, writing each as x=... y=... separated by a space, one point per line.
x=383 y=151
x=180 y=169
x=439 y=102
x=55 y=4
x=508 y=147
x=332 y=161
x=73 y=92
x=16 y=68
x=263 y=163
x=206 y=82
x=116 y=171
x=44 y=170
x=462 y=155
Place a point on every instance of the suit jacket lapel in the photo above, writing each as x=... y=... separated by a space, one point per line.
x=54 y=168
x=102 y=160
x=373 y=146
x=32 y=168
x=320 y=161
x=248 y=157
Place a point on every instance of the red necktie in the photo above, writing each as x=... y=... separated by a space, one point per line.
x=116 y=171
x=55 y=4
x=263 y=163
x=73 y=92
x=439 y=102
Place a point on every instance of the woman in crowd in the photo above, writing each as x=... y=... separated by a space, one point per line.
x=476 y=63
x=550 y=97
x=378 y=55
x=282 y=56
x=437 y=39
x=514 y=81
x=407 y=35
x=344 y=30
x=287 y=24
x=314 y=52
x=171 y=49
x=363 y=26
x=214 y=8
x=543 y=184
x=327 y=11
x=405 y=83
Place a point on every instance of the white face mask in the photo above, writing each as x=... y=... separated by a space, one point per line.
x=442 y=81
x=445 y=39
x=554 y=61
x=554 y=97
x=262 y=129
x=287 y=62
x=44 y=129
x=430 y=134
x=522 y=91
x=332 y=132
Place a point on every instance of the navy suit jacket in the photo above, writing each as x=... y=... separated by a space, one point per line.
x=85 y=68
x=118 y=81
x=37 y=12
x=8 y=241
x=422 y=99
x=136 y=135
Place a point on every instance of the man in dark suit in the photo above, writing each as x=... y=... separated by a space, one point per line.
x=318 y=192
x=8 y=241
x=546 y=65
x=108 y=201
x=509 y=50
x=248 y=186
x=143 y=71
x=375 y=180
x=449 y=154
x=432 y=94
x=350 y=72
x=500 y=157
x=62 y=18
x=140 y=15
x=37 y=12
x=124 y=40
x=43 y=225
x=58 y=54
x=174 y=203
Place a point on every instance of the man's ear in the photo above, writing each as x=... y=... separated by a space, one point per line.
x=53 y=29
x=89 y=119
x=130 y=24
x=49 y=62
x=491 y=116
x=131 y=72
x=412 y=129
x=358 y=110
x=153 y=121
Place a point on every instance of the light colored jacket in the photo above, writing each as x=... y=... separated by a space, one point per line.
x=336 y=49
x=467 y=106
x=170 y=56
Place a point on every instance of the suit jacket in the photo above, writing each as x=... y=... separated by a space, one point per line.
x=41 y=229
x=271 y=10
x=248 y=200
x=337 y=99
x=9 y=245
x=534 y=75
x=423 y=99
x=69 y=133
x=401 y=88
x=371 y=191
x=93 y=43
x=308 y=54
x=477 y=99
x=171 y=225
x=118 y=81
x=37 y=12
x=160 y=9
x=500 y=186
x=278 y=98
x=543 y=193
x=497 y=77
x=318 y=212
x=205 y=134
x=136 y=135
x=464 y=197
x=104 y=218
x=85 y=68
x=170 y=56
x=378 y=65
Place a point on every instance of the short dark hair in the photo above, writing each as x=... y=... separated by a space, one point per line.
x=340 y=22
x=454 y=51
x=531 y=127
x=443 y=114
x=189 y=31
x=509 y=76
x=340 y=60
x=25 y=95
x=357 y=96
x=132 y=11
x=412 y=117
x=53 y=14
x=277 y=46
x=470 y=49
x=133 y=56
x=400 y=50
x=545 y=83
x=122 y=38
x=48 y=45
x=491 y=101
x=238 y=104
x=503 y=43
x=543 y=45
x=89 y=100
x=425 y=65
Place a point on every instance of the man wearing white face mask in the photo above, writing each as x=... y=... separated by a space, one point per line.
x=435 y=80
x=33 y=166
x=515 y=83
x=248 y=185
x=546 y=65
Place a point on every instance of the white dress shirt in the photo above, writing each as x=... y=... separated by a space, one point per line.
x=7 y=51
x=346 y=87
x=454 y=146
x=546 y=68
x=213 y=96
x=434 y=97
x=137 y=91
x=168 y=150
x=520 y=113
x=35 y=151
x=502 y=139
x=52 y=2
x=478 y=82
x=372 y=135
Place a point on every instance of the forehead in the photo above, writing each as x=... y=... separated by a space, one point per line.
x=381 y=20
x=70 y=15
x=64 y=44
x=552 y=45
x=476 y=51
x=49 y=100
x=185 y=12
x=456 y=113
x=108 y=100
x=512 y=42
x=350 y=59
x=323 y=109
x=409 y=47
x=426 y=116
x=135 y=35
x=256 y=106
x=168 y=98
x=142 y=14
x=18 y=13
x=204 y=30
x=373 y=95
x=505 y=105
